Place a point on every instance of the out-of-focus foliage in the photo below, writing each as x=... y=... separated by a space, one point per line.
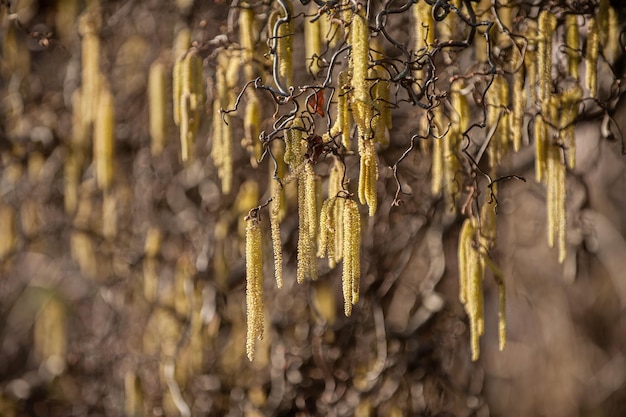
x=122 y=235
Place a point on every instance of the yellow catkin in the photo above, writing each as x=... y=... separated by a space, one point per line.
x=7 y=231
x=191 y=101
x=572 y=43
x=497 y=99
x=591 y=58
x=110 y=205
x=359 y=58
x=254 y=284
x=602 y=19
x=157 y=105
x=466 y=236
x=368 y=175
x=569 y=113
x=343 y=120
x=307 y=209
x=327 y=231
x=476 y=302
x=310 y=200
x=551 y=194
x=275 y=206
x=313 y=41
x=471 y=271
x=247 y=40
x=424 y=31
x=50 y=336
x=252 y=128
x=351 y=274
x=438 y=149
x=518 y=96
x=133 y=395
x=530 y=62
x=540 y=136
x=88 y=27
x=293 y=144
x=284 y=49
x=547 y=24
x=555 y=177
x=104 y=139
x=334 y=187
x=177 y=81
x=612 y=48
x=222 y=146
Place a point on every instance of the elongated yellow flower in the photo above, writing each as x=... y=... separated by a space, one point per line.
x=254 y=284
x=247 y=39
x=104 y=139
x=471 y=271
x=530 y=62
x=252 y=127
x=275 y=206
x=570 y=102
x=343 y=120
x=157 y=105
x=368 y=175
x=294 y=153
x=359 y=57
x=284 y=49
x=222 y=146
x=497 y=113
x=540 y=136
x=327 y=231
x=313 y=41
x=591 y=57
x=307 y=213
x=89 y=26
x=191 y=100
x=334 y=187
x=351 y=274
x=518 y=95
x=547 y=24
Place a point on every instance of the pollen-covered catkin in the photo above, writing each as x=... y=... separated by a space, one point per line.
x=247 y=40
x=541 y=136
x=351 y=274
x=188 y=87
x=343 y=110
x=547 y=24
x=530 y=62
x=284 y=47
x=307 y=213
x=334 y=188
x=275 y=204
x=104 y=138
x=424 y=25
x=313 y=41
x=89 y=26
x=497 y=98
x=222 y=146
x=252 y=127
x=518 y=99
x=293 y=144
x=591 y=58
x=327 y=231
x=157 y=105
x=254 y=284
x=368 y=175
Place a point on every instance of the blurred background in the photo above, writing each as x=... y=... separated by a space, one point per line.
x=131 y=301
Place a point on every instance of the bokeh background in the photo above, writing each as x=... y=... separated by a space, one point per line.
x=149 y=319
